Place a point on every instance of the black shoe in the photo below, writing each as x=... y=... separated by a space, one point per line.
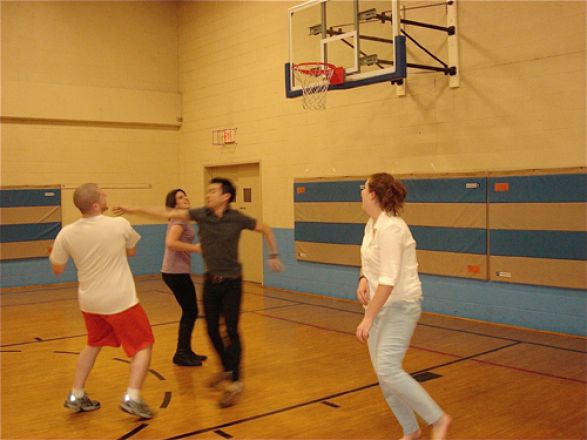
x=185 y=360
x=198 y=357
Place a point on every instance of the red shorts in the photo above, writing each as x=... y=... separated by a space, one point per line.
x=130 y=328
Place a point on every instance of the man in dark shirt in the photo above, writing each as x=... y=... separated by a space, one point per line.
x=220 y=228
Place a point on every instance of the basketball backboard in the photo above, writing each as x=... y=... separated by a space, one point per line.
x=366 y=37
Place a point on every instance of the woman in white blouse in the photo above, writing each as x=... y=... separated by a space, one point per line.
x=390 y=290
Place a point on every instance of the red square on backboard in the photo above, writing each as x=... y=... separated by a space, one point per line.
x=501 y=187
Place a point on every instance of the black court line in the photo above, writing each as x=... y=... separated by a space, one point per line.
x=38 y=339
x=470 y=332
x=332 y=405
x=270 y=413
x=37 y=290
x=271 y=308
x=10 y=351
x=66 y=352
x=297 y=302
x=222 y=434
x=167 y=292
x=133 y=432
x=166 y=400
x=38 y=302
x=156 y=374
x=426 y=376
x=461 y=359
x=322 y=306
x=153 y=372
x=444 y=353
x=433 y=325
x=326 y=399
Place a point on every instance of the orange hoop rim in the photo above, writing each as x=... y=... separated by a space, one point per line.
x=303 y=68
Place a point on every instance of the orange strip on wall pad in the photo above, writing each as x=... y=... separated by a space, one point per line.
x=301 y=189
x=473 y=268
x=501 y=187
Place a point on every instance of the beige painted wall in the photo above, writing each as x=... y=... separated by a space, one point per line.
x=90 y=93
x=98 y=88
x=521 y=103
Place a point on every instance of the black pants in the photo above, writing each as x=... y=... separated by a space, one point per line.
x=223 y=298
x=184 y=291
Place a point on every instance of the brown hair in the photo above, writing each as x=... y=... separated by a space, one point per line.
x=390 y=192
x=85 y=196
x=170 y=201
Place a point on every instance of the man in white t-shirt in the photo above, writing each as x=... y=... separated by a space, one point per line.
x=99 y=247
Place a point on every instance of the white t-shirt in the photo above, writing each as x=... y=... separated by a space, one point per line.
x=98 y=247
x=388 y=256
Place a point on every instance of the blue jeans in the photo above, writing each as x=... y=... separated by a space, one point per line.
x=389 y=338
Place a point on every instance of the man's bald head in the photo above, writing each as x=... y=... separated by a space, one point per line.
x=85 y=196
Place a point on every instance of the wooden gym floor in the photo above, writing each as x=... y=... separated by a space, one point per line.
x=306 y=376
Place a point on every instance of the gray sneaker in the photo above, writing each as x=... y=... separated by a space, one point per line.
x=140 y=409
x=231 y=394
x=216 y=380
x=81 y=404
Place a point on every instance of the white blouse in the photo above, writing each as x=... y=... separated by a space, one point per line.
x=388 y=257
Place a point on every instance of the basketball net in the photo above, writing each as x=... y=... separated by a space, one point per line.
x=314 y=78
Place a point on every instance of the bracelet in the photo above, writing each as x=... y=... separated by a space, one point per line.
x=272 y=256
x=361 y=277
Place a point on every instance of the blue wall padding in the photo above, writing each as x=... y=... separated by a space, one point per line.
x=556 y=188
x=465 y=240
x=29 y=232
x=446 y=190
x=339 y=233
x=539 y=244
x=537 y=307
x=147 y=261
x=30 y=197
x=343 y=191
x=419 y=190
x=462 y=240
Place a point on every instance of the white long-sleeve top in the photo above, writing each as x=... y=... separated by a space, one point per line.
x=388 y=257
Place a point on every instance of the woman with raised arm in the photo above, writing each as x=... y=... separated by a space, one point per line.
x=389 y=288
x=176 y=273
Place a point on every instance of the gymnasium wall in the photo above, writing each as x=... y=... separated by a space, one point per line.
x=90 y=93
x=93 y=91
x=520 y=106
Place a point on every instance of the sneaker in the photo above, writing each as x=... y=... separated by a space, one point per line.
x=140 y=409
x=230 y=395
x=216 y=380
x=81 y=404
x=186 y=360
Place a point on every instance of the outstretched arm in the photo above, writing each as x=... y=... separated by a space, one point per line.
x=154 y=211
x=274 y=262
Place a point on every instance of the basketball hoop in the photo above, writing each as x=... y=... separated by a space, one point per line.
x=314 y=78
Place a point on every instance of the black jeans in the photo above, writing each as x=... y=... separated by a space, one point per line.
x=223 y=298
x=184 y=291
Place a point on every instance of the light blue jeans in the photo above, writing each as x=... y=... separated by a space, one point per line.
x=388 y=341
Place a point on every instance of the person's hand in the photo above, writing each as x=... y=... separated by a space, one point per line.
x=122 y=209
x=197 y=248
x=275 y=264
x=363 y=291
x=363 y=330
